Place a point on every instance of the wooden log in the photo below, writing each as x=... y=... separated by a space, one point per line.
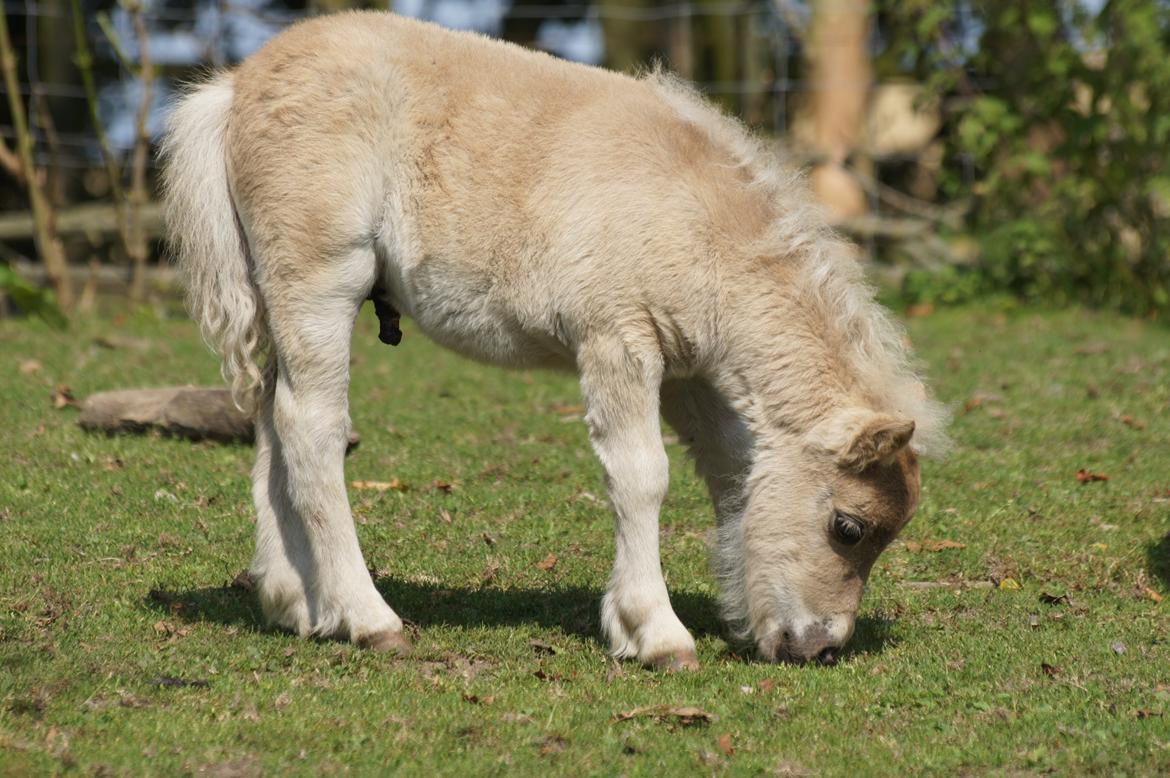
x=196 y=413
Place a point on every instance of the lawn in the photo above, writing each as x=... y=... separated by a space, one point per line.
x=1017 y=627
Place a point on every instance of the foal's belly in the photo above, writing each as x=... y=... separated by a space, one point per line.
x=466 y=309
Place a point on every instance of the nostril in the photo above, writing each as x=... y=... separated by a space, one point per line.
x=828 y=656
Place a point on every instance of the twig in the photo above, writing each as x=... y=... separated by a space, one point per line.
x=10 y=161
x=136 y=245
x=48 y=245
x=948 y=217
x=83 y=58
x=103 y=21
x=52 y=175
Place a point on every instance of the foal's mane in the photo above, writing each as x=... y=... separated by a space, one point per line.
x=829 y=280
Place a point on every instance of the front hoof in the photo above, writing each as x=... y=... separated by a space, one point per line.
x=675 y=662
x=387 y=641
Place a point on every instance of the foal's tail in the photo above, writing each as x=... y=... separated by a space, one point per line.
x=208 y=240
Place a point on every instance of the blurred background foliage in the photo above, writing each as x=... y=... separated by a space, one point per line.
x=971 y=147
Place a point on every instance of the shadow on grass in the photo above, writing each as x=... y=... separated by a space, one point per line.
x=1158 y=559
x=573 y=610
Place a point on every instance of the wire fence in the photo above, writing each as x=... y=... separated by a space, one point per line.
x=188 y=37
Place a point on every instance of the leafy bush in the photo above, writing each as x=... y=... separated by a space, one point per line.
x=1060 y=137
x=32 y=300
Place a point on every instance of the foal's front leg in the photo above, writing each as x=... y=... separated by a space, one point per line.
x=621 y=397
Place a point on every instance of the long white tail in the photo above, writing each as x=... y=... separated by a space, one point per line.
x=208 y=240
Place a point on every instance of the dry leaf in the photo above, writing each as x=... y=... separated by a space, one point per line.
x=1133 y=423
x=1088 y=476
x=490 y=572
x=1050 y=670
x=491 y=541
x=1054 y=599
x=282 y=701
x=540 y=647
x=475 y=699
x=725 y=745
x=548 y=563
x=30 y=366
x=445 y=516
x=682 y=714
x=380 y=486
x=1009 y=584
x=1152 y=595
x=63 y=397
x=767 y=685
x=442 y=486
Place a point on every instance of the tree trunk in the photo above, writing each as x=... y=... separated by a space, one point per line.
x=839 y=68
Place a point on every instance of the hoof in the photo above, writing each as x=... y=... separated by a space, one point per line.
x=386 y=641
x=674 y=663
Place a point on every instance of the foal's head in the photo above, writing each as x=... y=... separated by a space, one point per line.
x=817 y=513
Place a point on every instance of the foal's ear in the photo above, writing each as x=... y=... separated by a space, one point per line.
x=857 y=438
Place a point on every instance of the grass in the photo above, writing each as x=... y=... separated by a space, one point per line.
x=125 y=648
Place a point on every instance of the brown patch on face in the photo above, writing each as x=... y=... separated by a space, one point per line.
x=884 y=496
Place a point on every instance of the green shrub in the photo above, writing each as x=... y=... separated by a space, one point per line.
x=1060 y=137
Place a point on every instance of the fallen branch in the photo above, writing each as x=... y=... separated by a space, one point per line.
x=195 y=413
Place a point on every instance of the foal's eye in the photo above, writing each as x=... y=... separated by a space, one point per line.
x=848 y=529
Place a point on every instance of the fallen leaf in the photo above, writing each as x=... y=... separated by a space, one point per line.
x=445 y=516
x=548 y=563
x=1009 y=584
x=1054 y=599
x=767 y=685
x=380 y=486
x=1148 y=714
x=1118 y=647
x=475 y=699
x=491 y=541
x=1132 y=423
x=686 y=715
x=490 y=572
x=725 y=745
x=442 y=486
x=1050 y=670
x=282 y=701
x=30 y=366
x=1150 y=594
x=63 y=397
x=540 y=647
x=1088 y=476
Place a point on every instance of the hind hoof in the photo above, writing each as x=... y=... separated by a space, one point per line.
x=676 y=662
x=386 y=641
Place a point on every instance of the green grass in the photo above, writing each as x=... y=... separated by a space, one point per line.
x=117 y=557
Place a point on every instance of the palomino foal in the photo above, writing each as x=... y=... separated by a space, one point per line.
x=527 y=211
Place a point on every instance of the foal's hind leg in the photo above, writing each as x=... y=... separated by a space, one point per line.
x=311 y=574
